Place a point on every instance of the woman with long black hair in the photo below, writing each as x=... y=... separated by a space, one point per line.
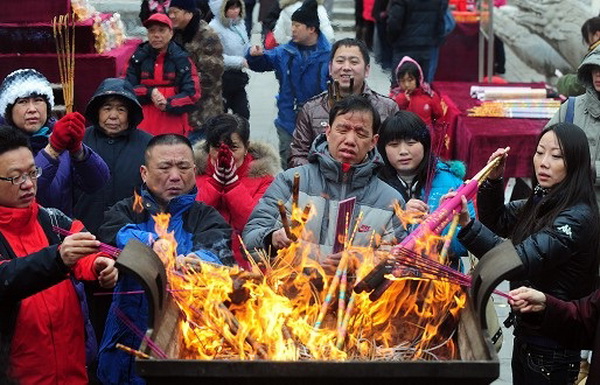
x=555 y=233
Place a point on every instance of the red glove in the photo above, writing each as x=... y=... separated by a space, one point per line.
x=67 y=133
x=225 y=168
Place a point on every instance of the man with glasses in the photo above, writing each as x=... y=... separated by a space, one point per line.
x=169 y=176
x=42 y=332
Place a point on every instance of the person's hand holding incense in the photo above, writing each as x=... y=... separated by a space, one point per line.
x=279 y=239
x=526 y=300
x=417 y=206
x=107 y=272
x=331 y=263
x=464 y=217
x=77 y=246
x=498 y=171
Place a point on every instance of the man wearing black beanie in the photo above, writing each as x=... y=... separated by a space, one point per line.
x=301 y=66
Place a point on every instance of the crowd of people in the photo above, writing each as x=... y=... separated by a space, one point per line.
x=175 y=132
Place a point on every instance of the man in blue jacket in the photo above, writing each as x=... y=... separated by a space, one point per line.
x=169 y=177
x=301 y=66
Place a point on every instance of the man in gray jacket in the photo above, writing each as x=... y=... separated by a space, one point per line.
x=343 y=163
x=586 y=109
x=349 y=60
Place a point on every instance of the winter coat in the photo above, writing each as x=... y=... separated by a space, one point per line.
x=448 y=176
x=175 y=76
x=232 y=34
x=206 y=51
x=55 y=187
x=283 y=28
x=197 y=228
x=576 y=325
x=300 y=77
x=42 y=323
x=422 y=101
x=313 y=118
x=124 y=154
x=324 y=185
x=587 y=112
x=559 y=259
x=236 y=201
x=415 y=27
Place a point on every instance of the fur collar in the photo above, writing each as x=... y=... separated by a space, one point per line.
x=265 y=160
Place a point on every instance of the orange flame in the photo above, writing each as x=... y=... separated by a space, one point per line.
x=270 y=312
x=138 y=207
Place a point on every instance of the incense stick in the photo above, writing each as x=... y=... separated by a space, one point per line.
x=105 y=248
x=284 y=221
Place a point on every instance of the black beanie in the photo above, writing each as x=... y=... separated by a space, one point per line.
x=186 y=5
x=307 y=14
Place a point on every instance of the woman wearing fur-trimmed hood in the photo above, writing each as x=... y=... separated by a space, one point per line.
x=229 y=24
x=233 y=174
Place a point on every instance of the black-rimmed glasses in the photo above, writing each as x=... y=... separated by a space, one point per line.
x=17 y=180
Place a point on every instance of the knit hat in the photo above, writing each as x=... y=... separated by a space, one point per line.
x=307 y=14
x=186 y=5
x=158 y=18
x=23 y=84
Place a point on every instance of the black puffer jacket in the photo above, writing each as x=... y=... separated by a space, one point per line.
x=560 y=259
x=123 y=154
x=416 y=23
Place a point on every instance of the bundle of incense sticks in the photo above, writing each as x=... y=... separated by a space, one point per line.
x=105 y=248
x=376 y=282
x=63 y=28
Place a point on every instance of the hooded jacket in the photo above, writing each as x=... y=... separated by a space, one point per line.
x=124 y=154
x=236 y=201
x=198 y=229
x=300 y=77
x=324 y=184
x=587 y=112
x=232 y=33
x=206 y=52
x=423 y=101
x=313 y=118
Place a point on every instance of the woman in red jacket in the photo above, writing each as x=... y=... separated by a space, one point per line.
x=232 y=173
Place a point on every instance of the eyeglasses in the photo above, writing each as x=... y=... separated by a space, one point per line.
x=18 y=180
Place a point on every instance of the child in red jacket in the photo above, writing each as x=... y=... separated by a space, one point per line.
x=413 y=94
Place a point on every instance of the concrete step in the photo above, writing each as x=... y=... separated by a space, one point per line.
x=343 y=14
x=343 y=25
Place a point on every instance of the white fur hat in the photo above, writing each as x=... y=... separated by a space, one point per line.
x=22 y=84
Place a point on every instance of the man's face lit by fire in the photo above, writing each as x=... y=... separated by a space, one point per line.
x=351 y=137
x=170 y=171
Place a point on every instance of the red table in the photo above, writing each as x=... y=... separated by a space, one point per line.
x=90 y=69
x=474 y=139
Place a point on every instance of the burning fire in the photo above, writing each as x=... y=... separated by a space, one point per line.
x=275 y=311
